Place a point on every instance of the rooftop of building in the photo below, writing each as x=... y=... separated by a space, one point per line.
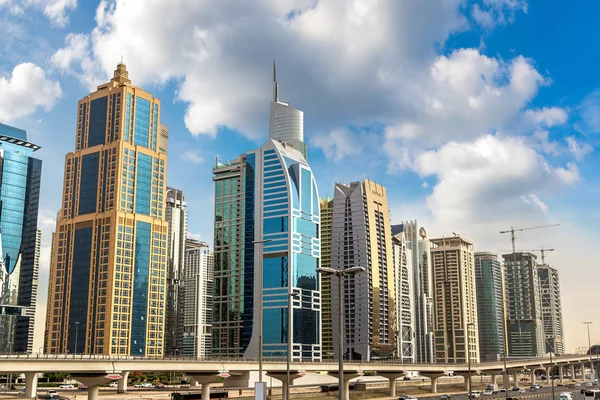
x=16 y=136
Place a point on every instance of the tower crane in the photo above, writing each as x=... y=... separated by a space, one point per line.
x=542 y=251
x=512 y=231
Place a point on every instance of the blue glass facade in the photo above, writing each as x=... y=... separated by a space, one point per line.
x=89 y=183
x=98 y=113
x=127 y=114
x=140 y=288
x=80 y=281
x=142 y=122
x=248 y=310
x=143 y=184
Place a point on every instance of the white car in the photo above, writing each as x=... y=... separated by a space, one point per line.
x=566 y=396
x=488 y=392
x=410 y=398
x=112 y=384
x=67 y=386
x=578 y=384
x=52 y=394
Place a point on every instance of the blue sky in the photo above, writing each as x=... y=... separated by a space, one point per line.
x=476 y=115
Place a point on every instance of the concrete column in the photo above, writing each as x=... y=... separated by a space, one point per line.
x=467 y=381
x=549 y=374
x=561 y=374
x=392 y=378
x=506 y=380
x=206 y=391
x=31 y=381
x=572 y=372
x=493 y=378
x=582 y=366
x=92 y=392
x=434 y=377
x=284 y=389
x=532 y=379
x=122 y=383
x=515 y=378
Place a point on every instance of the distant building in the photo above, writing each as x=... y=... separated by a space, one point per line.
x=362 y=236
x=524 y=326
x=490 y=306
x=326 y=323
x=20 y=177
x=176 y=216
x=551 y=309
x=198 y=281
x=422 y=288
x=455 y=300
x=405 y=321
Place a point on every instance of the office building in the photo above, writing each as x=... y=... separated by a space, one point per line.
x=551 y=309
x=362 y=236
x=455 y=302
x=403 y=277
x=20 y=177
x=524 y=326
x=267 y=220
x=422 y=288
x=326 y=321
x=110 y=250
x=197 y=307
x=176 y=216
x=490 y=306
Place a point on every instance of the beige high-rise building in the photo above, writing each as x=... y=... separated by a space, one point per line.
x=362 y=236
x=326 y=322
x=455 y=302
x=108 y=279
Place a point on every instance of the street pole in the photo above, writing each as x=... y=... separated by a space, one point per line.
x=468 y=347
x=505 y=373
x=587 y=323
x=552 y=374
x=340 y=277
x=289 y=339
x=260 y=310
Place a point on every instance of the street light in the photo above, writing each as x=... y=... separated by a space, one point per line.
x=340 y=275
x=260 y=311
x=76 y=334
x=551 y=367
x=469 y=356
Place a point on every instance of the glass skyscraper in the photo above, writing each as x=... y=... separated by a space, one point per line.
x=110 y=251
x=20 y=177
x=268 y=195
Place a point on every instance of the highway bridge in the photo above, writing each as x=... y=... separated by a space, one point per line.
x=96 y=370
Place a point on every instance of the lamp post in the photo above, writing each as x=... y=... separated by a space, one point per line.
x=551 y=377
x=76 y=334
x=341 y=273
x=587 y=323
x=260 y=310
x=505 y=373
x=468 y=348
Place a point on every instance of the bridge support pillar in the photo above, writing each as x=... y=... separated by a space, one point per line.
x=572 y=372
x=282 y=377
x=532 y=378
x=392 y=376
x=31 y=381
x=561 y=374
x=205 y=380
x=92 y=392
x=493 y=378
x=515 y=378
x=506 y=380
x=582 y=366
x=122 y=382
x=434 y=377
x=549 y=374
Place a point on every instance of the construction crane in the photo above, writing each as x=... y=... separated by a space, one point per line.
x=514 y=260
x=542 y=251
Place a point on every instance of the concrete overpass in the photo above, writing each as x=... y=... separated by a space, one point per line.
x=94 y=371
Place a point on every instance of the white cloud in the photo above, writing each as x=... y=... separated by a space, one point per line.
x=193 y=157
x=490 y=178
x=497 y=12
x=55 y=10
x=547 y=116
x=25 y=90
x=589 y=111
x=578 y=151
x=76 y=49
x=341 y=143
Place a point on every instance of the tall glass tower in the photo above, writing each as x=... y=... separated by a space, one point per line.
x=110 y=251
x=20 y=177
x=267 y=219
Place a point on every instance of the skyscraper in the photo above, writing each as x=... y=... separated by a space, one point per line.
x=422 y=288
x=454 y=298
x=326 y=321
x=524 y=327
x=403 y=277
x=490 y=306
x=362 y=236
x=267 y=231
x=197 y=300
x=176 y=216
x=551 y=309
x=20 y=177
x=110 y=250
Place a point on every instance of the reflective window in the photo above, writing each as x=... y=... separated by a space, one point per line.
x=142 y=122
x=80 y=278
x=97 y=130
x=140 y=288
x=143 y=184
x=89 y=183
x=275 y=225
x=127 y=116
x=275 y=271
x=306 y=191
x=306 y=228
x=305 y=271
x=275 y=325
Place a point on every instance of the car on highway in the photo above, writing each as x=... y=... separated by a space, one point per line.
x=488 y=392
x=522 y=391
x=402 y=396
x=511 y=398
x=589 y=384
x=159 y=386
x=66 y=386
x=502 y=390
x=411 y=398
x=532 y=388
x=445 y=397
x=113 y=384
x=578 y=384
x=516 y=389
x=143 y=385
x=52 y=394
x=566 y=396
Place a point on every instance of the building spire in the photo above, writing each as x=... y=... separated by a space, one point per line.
x=275 y=90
